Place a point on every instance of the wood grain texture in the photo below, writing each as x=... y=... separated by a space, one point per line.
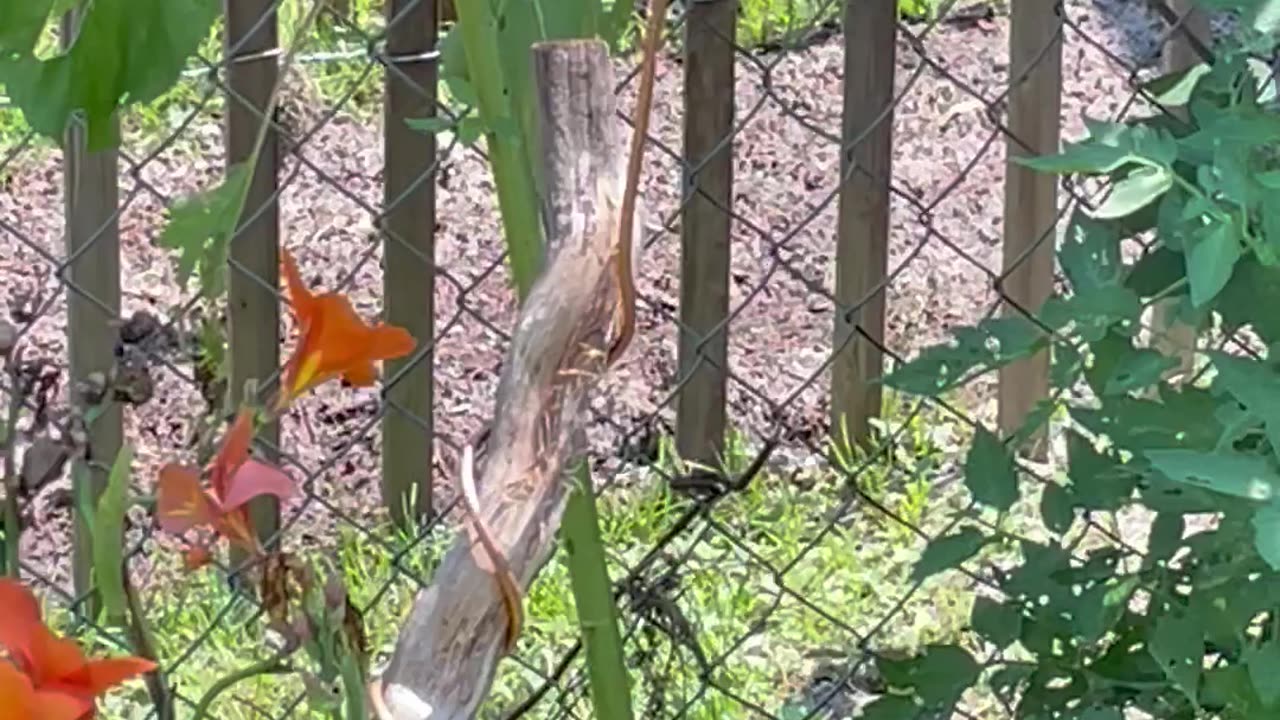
x=408 y=272
x=449 y=648
x=1030 y=196
x=705 y=227
x=91 y=193
x=862 y=239
x=253 y=307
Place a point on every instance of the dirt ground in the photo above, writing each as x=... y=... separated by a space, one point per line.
x=946 y=235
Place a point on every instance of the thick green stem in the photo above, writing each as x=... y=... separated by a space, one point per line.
x=512 y=175
x=593 y=594
x=271 y=666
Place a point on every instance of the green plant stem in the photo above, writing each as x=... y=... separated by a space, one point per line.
x=270 y=666
x=593 y=596
x=12 y=516
x=512 y=175
x=145 y=645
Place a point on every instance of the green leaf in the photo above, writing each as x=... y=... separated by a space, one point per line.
x=1090 y=254
x=991 y=344
x=999 y=623
x=938 y=675
x=1180 y=419
x=1139 y=189
x=1156 y=271
x=1093 y=313
x=430 y=125
x=1252 y=286
x=200 y=228
x=1109 y=147
x=1244 y=476
x=126 y=52
x=1099 y=607
x=1056 y=509
x=891 y=707
x=1266 y=526
x=1066 y=366
x=1138 y=370
x=1263 y=661
x=944 y=553
x=989 y=471
x=24 y=21
x=1174 y=89
x=1098 y=482
x=1177 y=644
x=108 y=537
x=1255 y=386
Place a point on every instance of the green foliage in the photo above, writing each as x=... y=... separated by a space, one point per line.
x=94 y=77
x=200 y=228
x=108 y=537
x=1090 y=628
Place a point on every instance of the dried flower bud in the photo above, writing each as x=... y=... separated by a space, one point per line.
x=140 y=326
x=134 y=386
x=92 y=389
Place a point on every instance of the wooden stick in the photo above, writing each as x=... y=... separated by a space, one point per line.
x=448 y=650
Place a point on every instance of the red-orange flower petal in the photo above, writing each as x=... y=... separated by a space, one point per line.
x=233 y=452
x=99 y=676
x=181 y=503
x=22 y=621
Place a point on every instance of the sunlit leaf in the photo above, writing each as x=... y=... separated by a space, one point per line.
x=1177 y=644
x=990 y=344
x=999 y=623
x=1245 y=476
x=1137 y=190
x=948 y=552
x=200 y=228
x=1266 y=526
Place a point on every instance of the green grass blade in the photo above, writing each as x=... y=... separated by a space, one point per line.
x=593 y=595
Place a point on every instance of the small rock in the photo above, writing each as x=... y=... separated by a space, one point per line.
x=42 y=463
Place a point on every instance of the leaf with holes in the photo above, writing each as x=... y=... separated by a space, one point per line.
x=944 y=553
x=1138 y=370
x=991 y=344
x=200 y=228
x=938 y=675
x=989 y=471
x=1177 y=644
x=1244 y=476
x=1092 y=314
x=1090 y=254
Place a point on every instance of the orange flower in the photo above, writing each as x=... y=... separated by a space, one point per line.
x=45 y=677
x=335 y=341
x=234 y=480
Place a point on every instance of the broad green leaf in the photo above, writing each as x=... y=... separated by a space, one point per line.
x=96 y=77
x=1166 y=537
x=1266 y=525
x=1229 y=686
x=938 y=675
x=1138 y=370
x=1156 y=271
x=1098 y=481
x=1252 y=286
x=22 y=24
x=1109 y=147
x=1177 y=644
x=944 y=553
x=991 y=344
x=998 y=623
x=1245 y=476
x=1211 y=259
x=1056 y=509
x=200 y=228
x=1137 y=190
x=1263 y=662
x=1174 y=89
x=1066 y=366
x=989 y=471
x=1090 y=254
x=1099 y=607
x=108 y=537
x=1179 y=419
x=1255 y=386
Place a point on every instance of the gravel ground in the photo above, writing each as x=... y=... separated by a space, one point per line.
x=945 y=246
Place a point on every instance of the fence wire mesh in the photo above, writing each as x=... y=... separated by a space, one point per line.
x=742 y=594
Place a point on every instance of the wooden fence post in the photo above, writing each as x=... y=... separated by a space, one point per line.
x=862 y=242
x=705 y=228
x=409 y=250
x=1030 y=196
x=253 y=307
x=1169 y=337
x=91 y=197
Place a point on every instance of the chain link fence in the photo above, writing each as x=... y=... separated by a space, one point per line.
x=746 y=590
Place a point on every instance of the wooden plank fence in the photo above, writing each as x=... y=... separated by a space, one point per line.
x=861 y=252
